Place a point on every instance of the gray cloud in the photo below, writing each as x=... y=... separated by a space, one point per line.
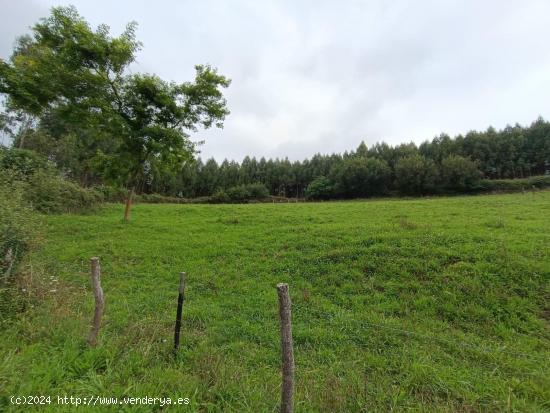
x=320 y=76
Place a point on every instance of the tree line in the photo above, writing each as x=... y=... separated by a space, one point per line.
x=442 y=164
x=71 y=98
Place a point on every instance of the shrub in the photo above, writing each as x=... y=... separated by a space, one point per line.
x=320 y=188
x=238 y=194
x=50 y=193
x=112 y=194
x=219 y=197
x=22 y=162
x=17 y=221
x=257 y=191
x=538 y=182
x=18 y=228
x=241 y=194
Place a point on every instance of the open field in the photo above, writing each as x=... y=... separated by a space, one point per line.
x=398 y=305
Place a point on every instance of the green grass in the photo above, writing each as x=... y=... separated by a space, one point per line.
x=398 y=305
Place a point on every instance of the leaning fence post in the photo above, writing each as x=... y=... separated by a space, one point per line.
x=178 y=313
x=287 y=388
x=99 y=301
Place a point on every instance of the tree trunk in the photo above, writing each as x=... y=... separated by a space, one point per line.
x=128 y=205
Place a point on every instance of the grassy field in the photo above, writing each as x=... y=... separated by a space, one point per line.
x=398 y=305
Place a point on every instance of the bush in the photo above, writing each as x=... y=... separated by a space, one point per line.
x=219 y=197
x=538 y=182
x=17 y=221
x=159 y=199
x=18 y=229
x=22 y=162
x=257 y=191
x=40 y=185
x=238 y=194
x=50 y=193
x=241 y=194
x=111 y=193
x=320 y=188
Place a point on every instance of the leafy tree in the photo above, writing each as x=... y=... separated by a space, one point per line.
x=458 y=173
x=78 y=75
x=415 y=174
x=320 y=188
x=357 y=177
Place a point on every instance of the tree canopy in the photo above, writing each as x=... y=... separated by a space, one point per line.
x=75 y=80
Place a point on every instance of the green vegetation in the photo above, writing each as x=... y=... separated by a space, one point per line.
x=70 y=96
x=39 y=186
x=423 y=305
x=75 y=85
x=406 y=305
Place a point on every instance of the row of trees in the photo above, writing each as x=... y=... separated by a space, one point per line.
x=443 y=164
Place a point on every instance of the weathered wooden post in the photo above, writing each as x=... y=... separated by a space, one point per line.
x=181 y=297
x=99 y=301
x=287 y=388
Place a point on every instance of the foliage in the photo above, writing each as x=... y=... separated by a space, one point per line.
x=112 y=193
x=41 y=187
x=415 y=174
x=514 y=152
x=68 y=74
x=241 y=194
x=256 y=191
x=320 y=188
x=534 y=182
x=361 y=177
x=50 y=193
x=22 y=162
x=458 y=173
x=438 y=305
x=18 y=232
x=17 y=222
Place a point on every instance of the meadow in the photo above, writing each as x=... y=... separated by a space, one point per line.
x=436 y=304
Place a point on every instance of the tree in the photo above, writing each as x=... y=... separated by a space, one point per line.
x=80 y=76
x=320 y=188
x=357 y=177
x=415 y=174
x=458 y=173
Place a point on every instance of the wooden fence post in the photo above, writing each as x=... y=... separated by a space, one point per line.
x=287 y=388
x=99 y=301
x=181 y=297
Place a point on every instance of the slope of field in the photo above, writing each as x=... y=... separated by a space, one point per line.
x=417 y=305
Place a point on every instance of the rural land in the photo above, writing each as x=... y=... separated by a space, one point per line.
x=138 y=275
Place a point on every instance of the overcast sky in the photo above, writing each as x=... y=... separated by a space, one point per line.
x=320 y=76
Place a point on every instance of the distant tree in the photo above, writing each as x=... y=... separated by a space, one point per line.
x=360 y=177
x=458 y=173
x=362 y=150
x=320 y=188
x=415 y=174
x=80 y=76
